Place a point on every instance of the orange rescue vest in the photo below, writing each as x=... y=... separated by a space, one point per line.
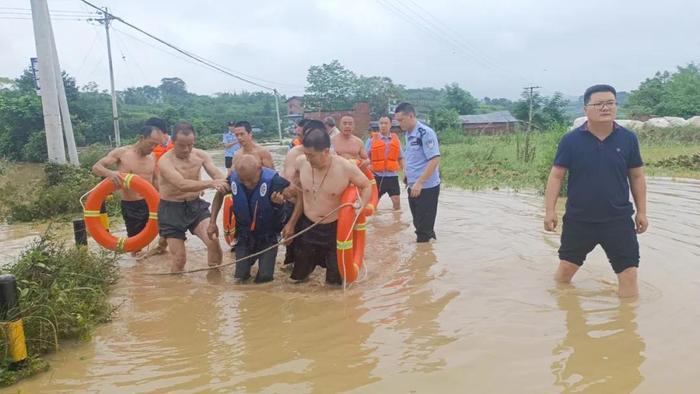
x=159 y=150
x=381 y=161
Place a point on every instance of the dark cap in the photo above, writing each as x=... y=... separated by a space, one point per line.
x=231 y=123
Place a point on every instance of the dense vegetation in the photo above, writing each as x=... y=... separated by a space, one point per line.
x=63 y=296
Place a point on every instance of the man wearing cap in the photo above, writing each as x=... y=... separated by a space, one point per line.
x=231 y=145
x=422 y=160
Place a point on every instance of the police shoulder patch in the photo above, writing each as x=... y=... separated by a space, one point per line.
x=234 y=188
x=430 y=143
x=263 y=189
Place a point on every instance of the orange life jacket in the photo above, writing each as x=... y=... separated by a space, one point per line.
x=159 y=150
x=296 y=142
x=381 y=161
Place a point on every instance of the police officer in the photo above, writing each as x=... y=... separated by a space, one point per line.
x=231 y=145
x=422 y=158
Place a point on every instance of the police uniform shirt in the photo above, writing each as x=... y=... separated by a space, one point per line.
x=421 y=146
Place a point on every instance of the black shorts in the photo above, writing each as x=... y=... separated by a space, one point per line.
x=618 y=239
x=135 y=214
x=389 y=185
x=175 y=218
x=228 y=162
x=316 y=247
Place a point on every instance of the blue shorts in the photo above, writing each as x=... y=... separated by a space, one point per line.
x=618 y=239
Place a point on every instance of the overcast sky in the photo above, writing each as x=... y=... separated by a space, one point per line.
x=491 y=48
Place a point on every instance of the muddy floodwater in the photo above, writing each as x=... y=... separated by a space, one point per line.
x=475 y=311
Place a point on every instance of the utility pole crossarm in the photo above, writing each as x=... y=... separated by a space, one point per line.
x=106 y=20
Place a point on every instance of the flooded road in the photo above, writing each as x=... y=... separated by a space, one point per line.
x=475 y=311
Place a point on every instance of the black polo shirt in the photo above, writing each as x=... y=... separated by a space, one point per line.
x=598 y=187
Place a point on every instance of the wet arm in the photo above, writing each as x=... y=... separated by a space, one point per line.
x=267 y=160
x=216 y=204
x=429 y=169
x=112 y=159
x=210 y=167
x=554 y=182
x=298 y=210
x=638 y=185
x=359 y=179
x=363 y=156
x=185 y=185
x=288 y=167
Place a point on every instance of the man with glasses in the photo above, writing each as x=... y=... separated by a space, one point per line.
x=604 y=163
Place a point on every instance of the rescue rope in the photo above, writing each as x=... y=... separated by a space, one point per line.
x=257 y=253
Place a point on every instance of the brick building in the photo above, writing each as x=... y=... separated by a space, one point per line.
x=491 y=123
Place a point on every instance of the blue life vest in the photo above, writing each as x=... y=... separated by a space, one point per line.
x=265 y=226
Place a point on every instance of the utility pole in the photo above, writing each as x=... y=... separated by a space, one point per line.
x=47 y=76
x=277 y=109
x=530 y=90
x=115 y=113
x=63 y=106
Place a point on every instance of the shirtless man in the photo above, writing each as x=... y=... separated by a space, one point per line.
x=346 y=144
x=244 y=133
x=181 y=208
x=322 y=178
x=136 y=159
x=290 y=173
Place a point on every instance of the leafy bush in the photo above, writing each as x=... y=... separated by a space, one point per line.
x=207 y=142
x=58 y=194
x=63 y=295
x=35 y=151
x=91 y=154
x=686 y=134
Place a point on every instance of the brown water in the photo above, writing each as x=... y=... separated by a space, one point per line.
x=475 y=311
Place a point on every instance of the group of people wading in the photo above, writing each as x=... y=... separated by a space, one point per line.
x=268 y=206
x=602 y=159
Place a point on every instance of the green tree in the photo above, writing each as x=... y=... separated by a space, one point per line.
x=379 y=92
x=330 y=87
x=546 y=111
x=446 y=119
x=668 y=94
x=460 y=100
x=173 y=90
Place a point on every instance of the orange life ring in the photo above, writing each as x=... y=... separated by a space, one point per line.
x=97 y=230
x=229 y=220
x=350 y=238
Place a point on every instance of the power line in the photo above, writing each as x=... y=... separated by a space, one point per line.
x=184 y=52
x=89 y=51
x=435 y=29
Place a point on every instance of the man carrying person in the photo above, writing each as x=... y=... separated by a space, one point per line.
x=329 y=122
x=257 y=206
x=231 y=145
x=422 y=160
x=181 y=208
x=603 y=162
x=244 y=135
x=346 y=144
x=386 y=159
x=135 y=159
x=322 y=179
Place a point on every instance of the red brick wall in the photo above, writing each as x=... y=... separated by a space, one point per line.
x=359 y=112
x=294 y=106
